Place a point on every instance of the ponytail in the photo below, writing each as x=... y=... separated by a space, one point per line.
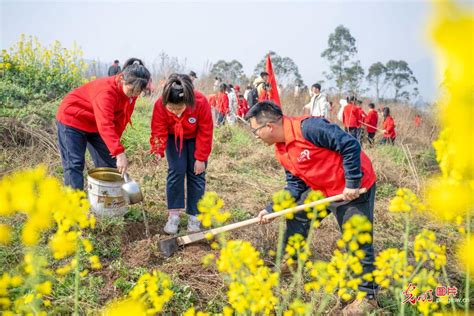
x=135 y=73
x=178 y=89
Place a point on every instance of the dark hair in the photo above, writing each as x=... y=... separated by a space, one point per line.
x=116 y=61
x=264 y=73
x=352 y=99
x=178 y=89
x=317 y=86
x=359 y=102
x=222 y=87
x=265 y=112
x=386 y=112
x=371 y=105
x=135 y=73
x=192 y=74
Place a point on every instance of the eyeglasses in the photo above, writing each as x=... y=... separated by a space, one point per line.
x=255 y=130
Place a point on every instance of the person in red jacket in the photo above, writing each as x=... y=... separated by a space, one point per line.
x=371 y=121
x=222 y=104
x=318 y=155
x=94 y=116
x=182 y=126
x=389 y=134
x=417 y=121
x=243 y=106
x=212 y=99
x=351 y=118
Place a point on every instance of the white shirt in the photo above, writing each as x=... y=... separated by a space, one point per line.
x=233 y=104
x=318 y=106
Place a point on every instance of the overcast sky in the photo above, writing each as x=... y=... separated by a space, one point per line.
x=206 y=31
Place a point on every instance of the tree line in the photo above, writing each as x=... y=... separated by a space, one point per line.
x=345 y=74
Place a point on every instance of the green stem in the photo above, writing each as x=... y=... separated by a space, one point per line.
x=286 y=299
x=445 y=275
x=417 y=268
x=468 y=235
x=76 y=282
x=405 y=249
x=279 y=256
x=313 y=300
x=297 y=278
x=323 y=304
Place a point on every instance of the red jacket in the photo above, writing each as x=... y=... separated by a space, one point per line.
x=371 y=119
x=222 y=104
x=389 y=127
x=320 y=168
x=417 y=121
x=99 y=106
x=351 y=116
x=193 y=123
x=212 y=100
x=243 y=107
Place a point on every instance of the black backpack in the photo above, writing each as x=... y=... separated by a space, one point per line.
x=252 y=97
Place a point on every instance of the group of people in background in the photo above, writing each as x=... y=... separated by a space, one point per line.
x=357 y=122
x=228 y=103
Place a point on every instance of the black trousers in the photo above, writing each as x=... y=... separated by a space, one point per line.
x=370 y=137
x=363 y=205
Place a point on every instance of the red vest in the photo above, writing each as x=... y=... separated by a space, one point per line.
x=320 y=168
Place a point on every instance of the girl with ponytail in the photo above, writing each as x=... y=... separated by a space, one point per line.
x=182 y=127
x=94 y=116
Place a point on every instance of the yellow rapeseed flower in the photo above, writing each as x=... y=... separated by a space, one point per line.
x=283 y=200
x=405 y=201
x=465 y=255
x=426 y=249
x=5 y=234
x=209 y=207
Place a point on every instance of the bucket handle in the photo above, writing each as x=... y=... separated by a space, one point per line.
x=126 y=177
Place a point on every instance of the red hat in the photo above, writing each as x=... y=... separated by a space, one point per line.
x=237 y=88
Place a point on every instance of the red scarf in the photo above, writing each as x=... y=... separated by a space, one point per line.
x=178 y=132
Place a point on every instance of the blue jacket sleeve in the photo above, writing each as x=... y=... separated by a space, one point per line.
x=327 y=135
x=294 y=185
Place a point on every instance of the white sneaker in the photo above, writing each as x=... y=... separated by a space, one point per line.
x=172 y=224
x=194 y=225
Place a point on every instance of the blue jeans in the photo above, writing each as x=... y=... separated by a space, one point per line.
x=181 y=166
x=363 y=205
x=72 y=145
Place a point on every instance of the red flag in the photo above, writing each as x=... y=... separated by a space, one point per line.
x=273 y=94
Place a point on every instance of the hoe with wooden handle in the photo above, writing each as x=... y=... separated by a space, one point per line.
x=170 y=245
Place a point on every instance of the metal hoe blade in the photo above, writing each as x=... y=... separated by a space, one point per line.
x=169 y=246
